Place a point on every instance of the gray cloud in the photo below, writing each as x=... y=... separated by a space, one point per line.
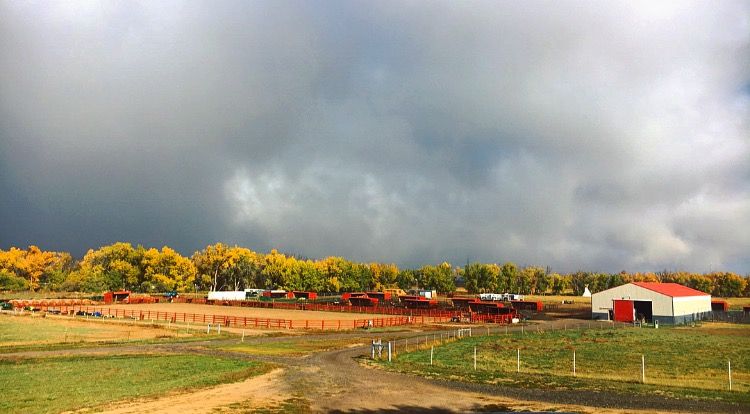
x=580 y=135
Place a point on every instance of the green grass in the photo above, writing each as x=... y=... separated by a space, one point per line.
x=680 y=362
x=736 y=303
x=294 y=347
x=52 y=385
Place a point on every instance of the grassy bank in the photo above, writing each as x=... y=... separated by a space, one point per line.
x=680 y=362
x=52 y=385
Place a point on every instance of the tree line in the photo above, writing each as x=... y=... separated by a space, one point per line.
x=480 y=277
x=222 y=267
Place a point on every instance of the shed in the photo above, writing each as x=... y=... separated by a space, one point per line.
x=719 y=306
x=116 y=296
x=651 y=301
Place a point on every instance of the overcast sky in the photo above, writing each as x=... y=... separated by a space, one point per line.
x=580 y=135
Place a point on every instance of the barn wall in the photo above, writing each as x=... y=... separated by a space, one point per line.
x=692 y=305
x=601 y=302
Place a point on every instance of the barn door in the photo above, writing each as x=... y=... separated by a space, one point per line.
x=623 y=310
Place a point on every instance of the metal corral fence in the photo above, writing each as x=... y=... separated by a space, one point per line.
x=236 y=321
x=324 y=307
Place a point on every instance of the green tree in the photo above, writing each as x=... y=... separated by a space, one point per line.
x=9 y=281
x=558 y=283
x=507 y=282
x=112 y=267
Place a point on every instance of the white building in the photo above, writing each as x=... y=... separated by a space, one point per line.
x=227 y=295
x=664 y=302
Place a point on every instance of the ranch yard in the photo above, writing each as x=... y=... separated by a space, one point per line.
x=161 y=367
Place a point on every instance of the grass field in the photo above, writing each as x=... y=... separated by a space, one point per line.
x=680 y=362
x=293 y=348
x=737 y=303
x=52 y=385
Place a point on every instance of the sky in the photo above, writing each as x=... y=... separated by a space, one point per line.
x=588 y=135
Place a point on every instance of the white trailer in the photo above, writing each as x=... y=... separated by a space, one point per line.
x=495 y=297
x=228 y=295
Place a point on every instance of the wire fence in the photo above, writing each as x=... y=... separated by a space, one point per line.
x=488 y=361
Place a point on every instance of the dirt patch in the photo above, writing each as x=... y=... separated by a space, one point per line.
x=254 y=392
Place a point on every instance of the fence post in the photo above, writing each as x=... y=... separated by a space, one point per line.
x=643 y=368
x=389 y=351
x=407 y=344
x=574 y=362
x=475 y=358
x=208 y=329
x=518 y=360
x=729 y=367
x=432 y=350
x=243 y=336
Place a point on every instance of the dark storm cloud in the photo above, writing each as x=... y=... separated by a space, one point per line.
x=580 y=135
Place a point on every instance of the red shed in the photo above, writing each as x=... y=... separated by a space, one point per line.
x=278 y=294
x=363 y=301
x=421 y=303
x=381 y=296
x=463 y=303
x=122 y=296
x=527 y=305
x=305 y=295
x=719 y=306
x=348 y=295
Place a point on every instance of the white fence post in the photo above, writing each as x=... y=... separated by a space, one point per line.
x=729 y=367
x=475 y=358
x=643 y=368
x=574 y=363
x=432 y=349
x=208 y=329
x=389 y=351
x=518 y=360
